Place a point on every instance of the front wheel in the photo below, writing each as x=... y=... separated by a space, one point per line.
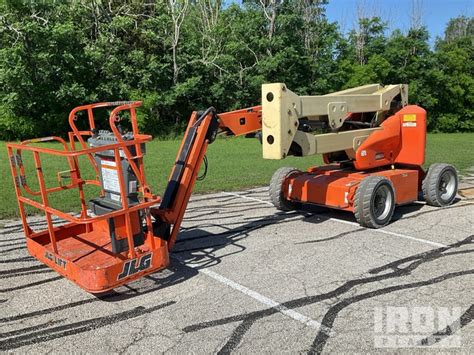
x=276 y=189
x=374 y=202
x=440 y=185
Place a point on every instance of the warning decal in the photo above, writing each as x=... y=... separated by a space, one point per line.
x=110 y=176
x=409 y=118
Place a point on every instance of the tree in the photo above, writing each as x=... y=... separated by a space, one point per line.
x=455 y=84
x=412 y=62
x=270 y=8
x=368 y=38
x=459 y=27
x=43 y=66
x=177 y=10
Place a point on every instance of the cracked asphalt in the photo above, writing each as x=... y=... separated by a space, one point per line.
x=247 y=278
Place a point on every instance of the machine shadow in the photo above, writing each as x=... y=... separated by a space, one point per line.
x=197 y=248
x=403 y=210
x=173 y=275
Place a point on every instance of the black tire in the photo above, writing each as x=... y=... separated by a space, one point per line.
x=276 y=191
x=440 y=185
x=374 y=202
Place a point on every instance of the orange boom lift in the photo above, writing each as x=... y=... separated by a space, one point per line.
x=126 y=231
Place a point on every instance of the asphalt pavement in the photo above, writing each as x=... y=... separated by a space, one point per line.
x=245 y=277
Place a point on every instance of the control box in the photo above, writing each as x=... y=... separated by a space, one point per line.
x=112 y=199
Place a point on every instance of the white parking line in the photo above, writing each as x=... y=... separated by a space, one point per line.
x=247 y=198
x=261 y=298
x=436 y=244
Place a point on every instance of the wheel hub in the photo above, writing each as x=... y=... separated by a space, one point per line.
x=382 y=202
x=446 y=185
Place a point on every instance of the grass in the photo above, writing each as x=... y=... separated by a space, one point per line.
x=234 y=163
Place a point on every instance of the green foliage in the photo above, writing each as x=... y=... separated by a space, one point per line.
x=459 y=27
x=55 y=55
x=455 y=79
x=375 y=71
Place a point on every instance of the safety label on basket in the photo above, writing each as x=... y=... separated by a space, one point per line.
x=110 y=176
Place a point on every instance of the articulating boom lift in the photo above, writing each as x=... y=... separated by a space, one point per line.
x=374 y=151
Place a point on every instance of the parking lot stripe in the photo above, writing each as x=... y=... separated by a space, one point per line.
x=429 y=242
x=247 y=198
x=436 y=244
x=262 y=299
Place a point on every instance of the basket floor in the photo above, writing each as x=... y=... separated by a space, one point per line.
x=91 y=250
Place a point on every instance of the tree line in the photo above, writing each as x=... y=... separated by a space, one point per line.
x=183 y=55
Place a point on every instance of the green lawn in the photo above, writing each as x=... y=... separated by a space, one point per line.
x=234 y=163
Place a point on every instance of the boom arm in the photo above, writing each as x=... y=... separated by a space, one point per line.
x=201 y=131
x=283 y=111
x=241 y=122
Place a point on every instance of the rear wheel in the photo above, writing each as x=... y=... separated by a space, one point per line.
x=374 y=202
x=276 y=189
x=440 y=185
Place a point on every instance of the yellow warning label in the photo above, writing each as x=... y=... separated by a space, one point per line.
x=409 y=118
